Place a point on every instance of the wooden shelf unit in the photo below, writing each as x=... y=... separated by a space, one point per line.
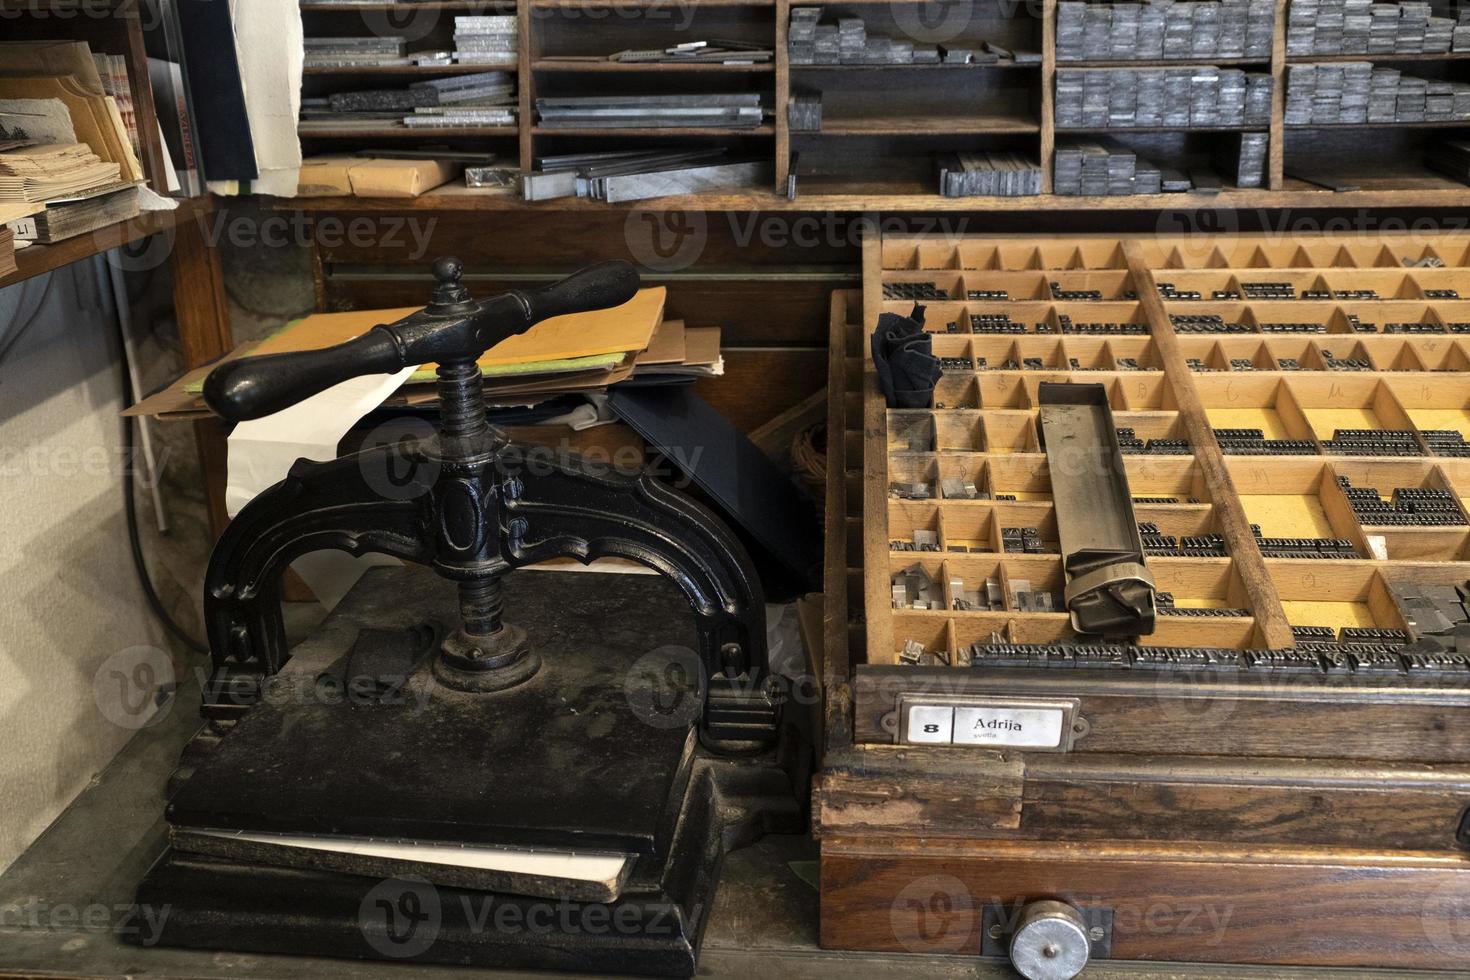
x=928 y=108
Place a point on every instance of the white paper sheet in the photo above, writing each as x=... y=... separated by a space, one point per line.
x=262 y=452
x=271 y=52
x=570 y=865
x=46 y=121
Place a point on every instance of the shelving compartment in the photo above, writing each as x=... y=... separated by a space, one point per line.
x=1263 y=402
x=1397 y=526
x=1300 y=509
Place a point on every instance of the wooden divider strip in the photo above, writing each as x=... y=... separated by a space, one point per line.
x=835 y=660
x=1270 y=617
x=876 y=584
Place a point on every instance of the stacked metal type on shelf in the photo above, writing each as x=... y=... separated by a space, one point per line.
x=1185 y=97
x=356 y=52
x=1336 y=27
x=980 y=174
x=485 y=40
x=486 y=99
x=1104 y=167
x=635 y=175
x=1164 y=31
x=1451 y=158
x=732 y=111
x=722 y=52
x=1243 y=156
x=482 y=99
x=848 y=42
x=804 y=113
x=1357 y=92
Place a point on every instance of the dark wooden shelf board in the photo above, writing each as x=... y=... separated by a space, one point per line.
x=917 y=197
x=467 y=6
x=37 y=259
x=403 y=132
x=596 y=67
x=410 y=69
x=1125 y=130
x=1425 y=124
x=639 y=4
x=978 y=66
x=1163 y=63
x=923 y=125
x=1307 y=59
x=656 y=131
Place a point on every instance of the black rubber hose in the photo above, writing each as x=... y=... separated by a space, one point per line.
x=130 y=508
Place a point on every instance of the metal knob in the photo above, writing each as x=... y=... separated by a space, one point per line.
x=1050 y=942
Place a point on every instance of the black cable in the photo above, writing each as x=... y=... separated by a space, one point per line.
x=130 y=507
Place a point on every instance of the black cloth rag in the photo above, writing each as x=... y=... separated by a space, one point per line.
x=904 y=357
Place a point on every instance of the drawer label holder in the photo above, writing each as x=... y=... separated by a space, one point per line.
x=983 y=721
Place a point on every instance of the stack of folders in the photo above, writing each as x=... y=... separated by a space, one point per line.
x=988 y=175
x=740 y=111
x=638 y=175
x=577 y=354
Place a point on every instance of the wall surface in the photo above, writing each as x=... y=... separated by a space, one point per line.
x=75 y=634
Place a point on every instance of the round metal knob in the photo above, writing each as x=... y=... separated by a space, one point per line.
x=1050 y=942
x=449 y=293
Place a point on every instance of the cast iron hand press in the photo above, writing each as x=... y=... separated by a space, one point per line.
x=528 y=740
x=483 y=513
